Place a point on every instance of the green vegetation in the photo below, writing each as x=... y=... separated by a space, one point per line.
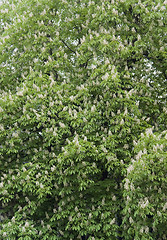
x=83 y=120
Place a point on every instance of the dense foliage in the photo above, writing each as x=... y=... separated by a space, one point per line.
x=83 y=119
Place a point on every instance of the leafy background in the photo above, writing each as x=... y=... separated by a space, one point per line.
x=83 y=120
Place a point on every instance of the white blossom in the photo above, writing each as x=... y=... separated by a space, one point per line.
x=131 y=220
x=126 y=186
x=93 y=108
x=114 y=198
x=149 y=131
x=105 y=77
x=26 y=224
x=165 y=207
x=105 y=42
x=144 y=203
x=44 y=12
x=62 y=125
x=130 y=168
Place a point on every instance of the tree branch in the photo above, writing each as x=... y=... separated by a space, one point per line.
x=67 y=46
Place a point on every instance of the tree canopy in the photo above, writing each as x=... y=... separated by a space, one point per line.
x=83 y=119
